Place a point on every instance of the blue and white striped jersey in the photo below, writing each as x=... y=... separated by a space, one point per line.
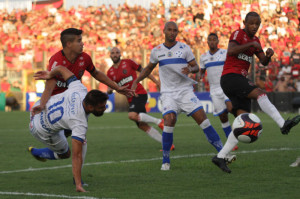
x=65 y=111
x=171 y=61
x=213 y=63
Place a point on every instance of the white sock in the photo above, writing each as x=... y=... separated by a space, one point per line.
x=270 y=109
x=229 y=145
x=148 y=119
x=225 y=124
x=155 y=134
x=84 y=149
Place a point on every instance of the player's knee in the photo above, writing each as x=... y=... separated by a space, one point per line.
x=64 y=155
x=133 y=116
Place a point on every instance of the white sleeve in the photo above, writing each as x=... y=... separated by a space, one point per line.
x=189 y=54
x=79 y=132
x=202 y=64
x=153 y=57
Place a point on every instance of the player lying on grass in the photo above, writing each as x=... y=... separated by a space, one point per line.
x=67 y=110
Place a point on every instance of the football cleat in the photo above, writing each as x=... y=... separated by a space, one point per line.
x=235 y=148
x=230 y=158
x=83 y=184
x=221 y=163
x=161 y=124
x=165 y=167
x=296 y=163
x=288 y=124
x=36 y=157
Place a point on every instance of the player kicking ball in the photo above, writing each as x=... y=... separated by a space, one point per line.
x=243 y=44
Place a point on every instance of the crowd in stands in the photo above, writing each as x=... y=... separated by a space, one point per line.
x=25 y=35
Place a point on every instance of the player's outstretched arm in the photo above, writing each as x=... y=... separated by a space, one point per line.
x=76 y=163
x=58 y=70
x=143 y=74
x=101 y=77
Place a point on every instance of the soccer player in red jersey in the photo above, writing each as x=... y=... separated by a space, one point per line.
x=243 y=44
x=123 y=72
x=77 y=61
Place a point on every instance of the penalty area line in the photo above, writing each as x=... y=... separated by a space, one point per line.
x=45 y=195
x=147 y=160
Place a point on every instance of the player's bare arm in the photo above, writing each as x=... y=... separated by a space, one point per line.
x=76 y=163
x=202 y=73
x=265 y=58
x=234 y=49
x=144 y=73
x=192 y=67
x=151 y=77
x=49 y=87
x=98 y=75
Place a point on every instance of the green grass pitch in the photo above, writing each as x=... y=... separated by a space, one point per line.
x=123 y=162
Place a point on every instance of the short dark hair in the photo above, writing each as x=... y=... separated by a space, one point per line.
x=68 y=35
x=251 y=14
x=95 y=97
x=213 y=34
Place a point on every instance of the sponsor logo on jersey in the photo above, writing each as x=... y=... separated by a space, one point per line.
x=244 y=57
x=61 y=84
x=73 y=101
x=125 y=80
x=235 y=35
x=81 y=63
x=64 y=62
x=161 y=55
x=123 y=65
x=81 y=58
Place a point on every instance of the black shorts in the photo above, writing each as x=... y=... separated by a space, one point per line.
x=237 y=88
x=138 y=104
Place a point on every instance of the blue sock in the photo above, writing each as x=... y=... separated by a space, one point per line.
x=213 y=137
x=227 y=130
x=43 y=153
x=167 y=140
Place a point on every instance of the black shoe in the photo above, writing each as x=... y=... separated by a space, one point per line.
x=288 y=124
x=83 y=184
x=221 y=163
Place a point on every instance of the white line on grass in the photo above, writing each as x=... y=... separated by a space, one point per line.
x=145 y=160
x=46 y=195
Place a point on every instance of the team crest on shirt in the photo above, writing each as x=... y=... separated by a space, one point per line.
x=124 y=71
x=211 y=58
x=81 y=63
x=170 y=54
x=178 y=53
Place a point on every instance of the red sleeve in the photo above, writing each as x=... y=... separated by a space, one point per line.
x=133 y=64
x=90 y=66
x=237 y=36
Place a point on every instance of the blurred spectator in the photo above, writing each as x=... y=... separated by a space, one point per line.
x=281 y=85
x=291 y=86
x=268 y=85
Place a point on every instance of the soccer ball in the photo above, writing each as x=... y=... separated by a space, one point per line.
x=247 y=127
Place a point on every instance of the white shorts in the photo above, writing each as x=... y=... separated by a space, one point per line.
x=55 y=141
x=219 y=103
x=181 y=101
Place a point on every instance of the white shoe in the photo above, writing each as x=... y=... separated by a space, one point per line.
x=165 y=167
x=230 y=158
x=296 y=163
